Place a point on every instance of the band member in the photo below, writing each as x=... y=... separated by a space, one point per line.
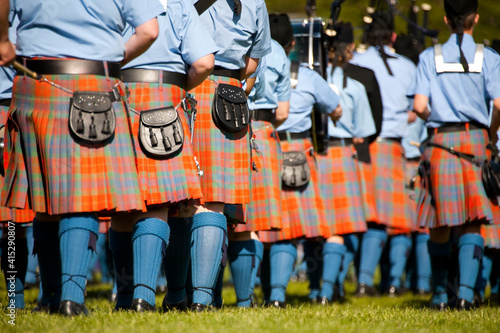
x=303 y=206
x=178 y=60
x=453 y=192
x=66 y=173
x=394 y=74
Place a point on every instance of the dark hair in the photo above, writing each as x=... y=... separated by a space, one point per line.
x=339 y=53
x=468 y=22
x=380 y=30
x=281 y=29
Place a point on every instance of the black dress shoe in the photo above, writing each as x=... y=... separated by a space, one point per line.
x=277 y=304
x=364 y=290
x=198 y=307
x=70 y=308
x=140 y=305
x=462 y=304
x=439 y=306
x=395 y=291
x=181 y=306
x=121 y=308
x=45 y=309
x=324 y=301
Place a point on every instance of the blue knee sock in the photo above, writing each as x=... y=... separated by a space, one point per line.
x=423 y=262
x=313 y=258
x=209 y=246
x=46 y=247
x=177 y=258
x=77 y=239
x=282 y=258
x=120 y=244
x=218 y=289
x=351 y=243
x=259 y=253
x=400 y=247
x=483 y=275
x=470 y=253
x=15 y=281
x=440 y=262
x=242 y=259
x=371 y=249
x=32 y=260
x=149 y=241
x=333 y=254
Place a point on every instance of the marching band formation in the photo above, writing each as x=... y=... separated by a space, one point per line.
x=191 y=135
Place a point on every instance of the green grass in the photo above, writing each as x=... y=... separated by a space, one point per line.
x=404 y=314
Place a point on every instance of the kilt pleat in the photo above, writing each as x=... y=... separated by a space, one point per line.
x=12 y=214
x=491 y=235
x=264 y=211
x=365 y=176
x=224 y=157
x=457 y=194
x=169 y=180
x=389 y=178
x=341 y=191
x=50 y=172
x=303 y=209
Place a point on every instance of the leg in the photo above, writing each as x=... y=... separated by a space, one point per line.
x=371 y=249
x=282 y=259
x=439 y=252
x=400 y=247
x=241 y=254
x=333 y=253
x=313 y=258
x=77 y=241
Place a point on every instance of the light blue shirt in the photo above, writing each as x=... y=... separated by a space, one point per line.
x=393 y=88
x=86 y=29
x=458 y=97
x=272 y=84
x=238 y=36
x=416 y=133
x=7 y=73
x=311 y=91
x=357 y=119
x=182 y=40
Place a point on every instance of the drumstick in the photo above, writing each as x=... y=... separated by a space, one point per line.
x=25 y=70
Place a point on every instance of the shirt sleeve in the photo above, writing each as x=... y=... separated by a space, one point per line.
x=492 y=77
x=283 y=88
x=261 y=45
x=421 y=83
x=326 y=99
x=196 y=41
x=138 y=12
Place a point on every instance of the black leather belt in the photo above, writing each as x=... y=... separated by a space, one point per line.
x=413 y=159
x=5 y=102
x=72 y=67
x=294 y=136
x=397 y=140
x=339 y=142
x=221 y=71
x=455 y=127
x=152 y=76
x=263 y=115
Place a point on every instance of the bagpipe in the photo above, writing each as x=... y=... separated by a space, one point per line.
x=309 y=48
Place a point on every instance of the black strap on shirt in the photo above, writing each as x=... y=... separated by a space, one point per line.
x=203 y=5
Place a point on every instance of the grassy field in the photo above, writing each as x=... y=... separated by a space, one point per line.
x=354 y=10
x=404 y=314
